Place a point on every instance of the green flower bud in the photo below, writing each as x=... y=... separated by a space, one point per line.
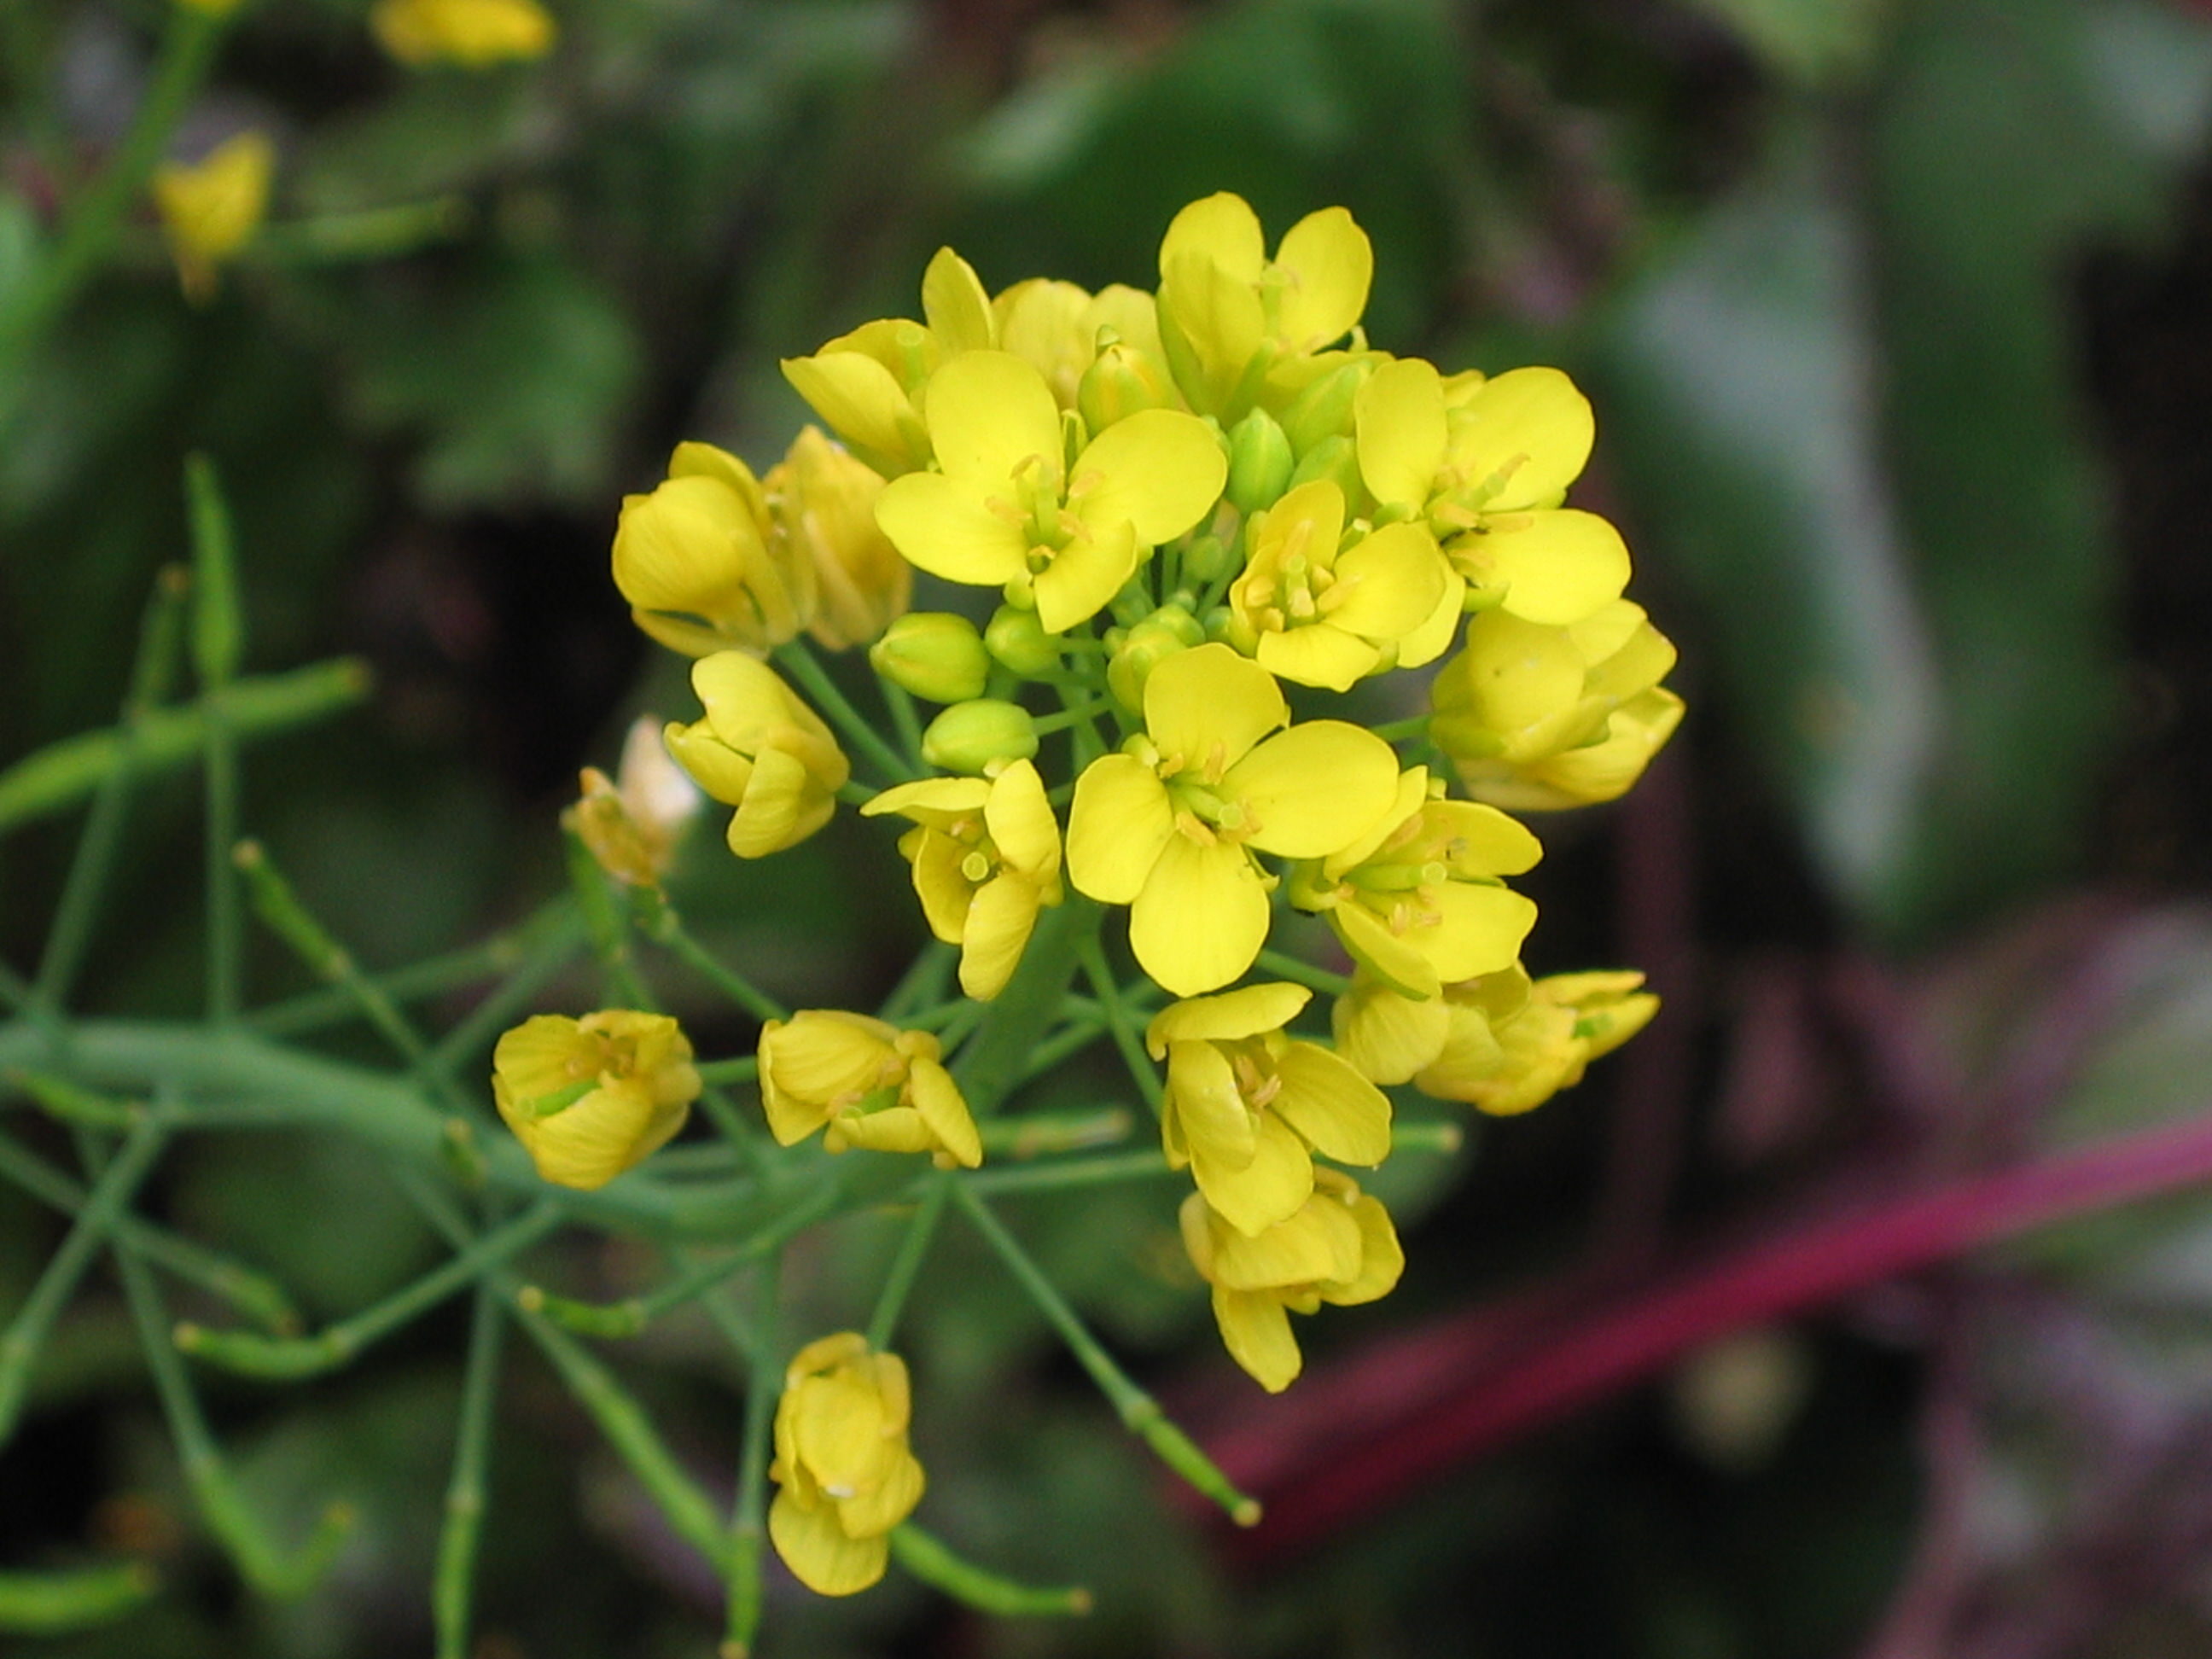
x=1207 y=559
x=934 y=654
x=980 y=736
x=1121 y=381
x=1151 y=641
x=1017 y=640
x=1260 y=462
x=1335 y=459
x=1324 y=409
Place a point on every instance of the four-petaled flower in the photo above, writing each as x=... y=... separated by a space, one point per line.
x=590 y=1098
x=867 y=1084
x=844 y=1473
x=762 y=750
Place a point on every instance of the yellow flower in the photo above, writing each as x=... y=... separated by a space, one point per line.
x=1236 y=324
x=825 y=505
x=1006 y=511
x=1171 y=826
x=1486 y=462
x=986 y=858
x=474 y=33
x=701 y=563
x=844 y=1473
x=1418 y=898
x=632 y=827
x=1321 y=614
x=762 y=750
x=1537 y=717
x=1339 y=1247
x=1065 y=333
x=867 y=1082
x=1247 y=1107
x=868 y=384
x=590 y=1098
x=209 y=210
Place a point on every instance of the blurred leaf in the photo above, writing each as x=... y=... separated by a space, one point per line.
x=1806 y=40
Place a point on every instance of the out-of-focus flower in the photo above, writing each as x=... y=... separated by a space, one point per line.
x=1419 y=899
x=1247 y=1105
x=867 y=1084
x=632 y=823
x=1338 y=1246
x=986 y=858
x=762 y=750
x=588 y=1098
x=473 y=33
x=844 y=1473
x=1007 y=511
x=701 y=563
x=1171 y=826
x=211 y=208
x=823 y=500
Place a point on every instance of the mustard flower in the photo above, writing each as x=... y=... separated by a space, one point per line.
x=762 y=750
x=823 y=502
x=1171 y=826
x=1310 y=610
x=1247 y=1107
x=844 y=1473
x=631 y=824
x=588 y=1098
x=1537 y=717
x=1338 y=1246
x=211 y=209
x=1417 y=899
x=867 y=1084
x=1236 y=324
x=473 y=33
x=1487 y=463
x=701 y=564
x=1006 y=511
x=867 y=386
x=986 y=858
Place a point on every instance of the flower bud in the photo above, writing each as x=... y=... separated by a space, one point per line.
x=700 y=563
x=1325 y=408
x=1534 y=1039
x=935 y=654
x=1151 y=642
x=825 y=505
x=1017 y=640
x=980 y=736
x=1121 y=382
x=1260 y=462
x=589 y=1098
x=631 y=824
x=844 y=1472
x=1338 y=461
x=762 y=750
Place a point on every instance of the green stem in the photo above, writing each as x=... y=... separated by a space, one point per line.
x=452 y=1588
x=1127 y=1037
x=661 y=924
x=1139 y=1413
x=74 y=1599
x=1435 y=1136
x=1089 y=745
x=218 y=640
x=1413 y=727
x=606 y=926
x=906 y=721
x=743 y=1069
x=555 y=946
x=912 y=1247
x=1075 y=1172
x=929 y=1560
x=749 y=1512
x=315 y=1010
x=1041 y=1135
x=991 y=1062
x=924 y=980
x=1305 y=973
x=807 y=669
x=382 y=233
x=1073 y=714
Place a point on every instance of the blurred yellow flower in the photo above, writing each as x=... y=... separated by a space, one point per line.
x=588 y=1098
x=211 y=209
x=867 y=1084
x=986 y=858
x=1247 y=1106
x=824 y=503
x=1338 y=1246
x=701 y=563
x=473 y=33
x=762 y=750
x=1171 y=826
x=844 y=1473
x=631 y=824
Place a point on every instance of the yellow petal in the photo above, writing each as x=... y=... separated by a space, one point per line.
x=945 y=527
x=857 y=397
x=1556 y=567
x=1269 y=1189
x=1484 y=840
x=1248 y=1010
x=1387 y=1037
x=947 y=796
x=1201 y=918
x=1330 y=264
x=1208 y=706
x=1211 y=1118
x=1116 y=826
x=1313 y=789
x=890 y=1501
x=1432 y=638
x=941 y=884
x=954 y=303
x=1321 y=1242
x=990 y=414
x=817 y=1552
x=1160 y=469
x=782 y=807
x=1221 y=227
x=1381 y=1258
x=1532 y=426
x=1391 y=582
x=997 y=928
x=1085 y=574
x=1021 y=823
x=1320 y=655
x=1217 y=318
x=1402 y=433
x=937 y=1098
x=1256 y=1331
x=1341 y=1115
x=1391 y=958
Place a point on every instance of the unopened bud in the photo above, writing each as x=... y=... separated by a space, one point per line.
x=1120 y=383
x=1324 y=409
x=1260 y=462
x=1017 y=640
x=935 y=654
x=1336 y=460
x=1168 y=630
x=980 y=736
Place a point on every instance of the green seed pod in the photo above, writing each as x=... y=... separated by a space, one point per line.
x=979 y=735
x=1260 y=462
x=1018 y=642
x=934 y=654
